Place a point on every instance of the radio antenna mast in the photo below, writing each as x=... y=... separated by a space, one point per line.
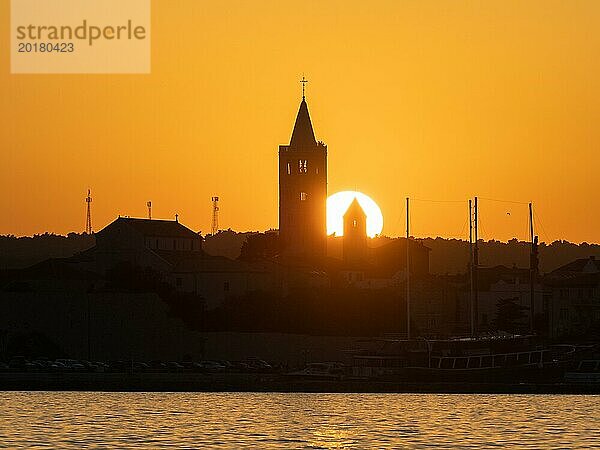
x=88 y=222
x=215 y=216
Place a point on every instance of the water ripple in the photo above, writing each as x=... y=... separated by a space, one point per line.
x=316 y=421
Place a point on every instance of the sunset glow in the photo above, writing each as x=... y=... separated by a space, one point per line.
x=463 y=99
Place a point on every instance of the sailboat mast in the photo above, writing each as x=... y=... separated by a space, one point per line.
x=476 y=271
x=532 y=270
x=471 y=295
x=407 y=270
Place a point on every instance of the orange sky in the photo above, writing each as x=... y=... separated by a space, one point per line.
x=431 y=99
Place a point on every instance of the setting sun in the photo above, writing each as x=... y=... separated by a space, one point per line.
x=338 y=203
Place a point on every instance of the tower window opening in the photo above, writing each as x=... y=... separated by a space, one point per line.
x=289 y=168
x=303 y=196
x=355 y=223
x=302 y=165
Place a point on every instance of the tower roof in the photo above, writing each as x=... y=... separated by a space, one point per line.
x=355 y=210
x=303 y=135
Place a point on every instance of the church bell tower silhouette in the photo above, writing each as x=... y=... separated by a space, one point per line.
x=303 y=190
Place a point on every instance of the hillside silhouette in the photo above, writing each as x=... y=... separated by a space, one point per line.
x=447 y=256
x=25 y=251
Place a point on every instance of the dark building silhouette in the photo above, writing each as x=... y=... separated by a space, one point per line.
x=391 y=256
x=174 y=253
x=144 y=243
x=504 y=298
x=355 y=234
x=573 y=298
x=303 y=191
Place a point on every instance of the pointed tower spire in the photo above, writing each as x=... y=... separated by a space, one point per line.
x=354 y=210
x=303 y=136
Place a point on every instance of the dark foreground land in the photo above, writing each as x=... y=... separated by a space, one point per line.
x=195 y=382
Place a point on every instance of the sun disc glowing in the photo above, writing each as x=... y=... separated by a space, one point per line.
x=338 y=203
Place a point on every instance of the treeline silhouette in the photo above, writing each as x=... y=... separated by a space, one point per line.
x=447 y=256
x=21 y=252
x=452 y=255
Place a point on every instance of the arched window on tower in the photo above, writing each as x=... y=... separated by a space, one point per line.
x=302 y=165
x=303 y=196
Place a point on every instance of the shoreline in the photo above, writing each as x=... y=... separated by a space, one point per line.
x=190 y=382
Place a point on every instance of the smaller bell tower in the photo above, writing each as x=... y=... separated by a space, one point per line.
x=355 y=233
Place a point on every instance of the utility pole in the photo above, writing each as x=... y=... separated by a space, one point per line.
x=476 y=271
x=88 y=221
x=471 y=294
x=215 y=215
x=407 y=270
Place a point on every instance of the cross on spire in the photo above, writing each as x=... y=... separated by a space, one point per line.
x=303 y=81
